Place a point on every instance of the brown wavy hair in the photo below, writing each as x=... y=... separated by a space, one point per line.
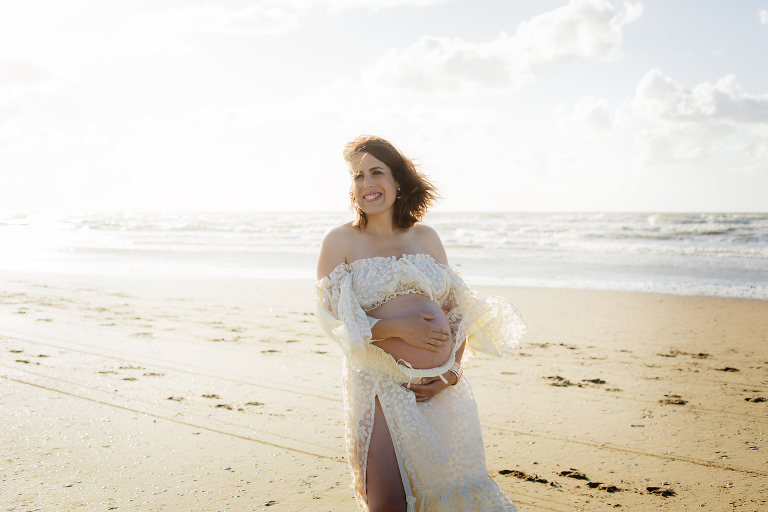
x=416 y=194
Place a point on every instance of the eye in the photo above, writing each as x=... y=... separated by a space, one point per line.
x=357 y=176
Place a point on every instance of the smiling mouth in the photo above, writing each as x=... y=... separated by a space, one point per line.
x=372 y=197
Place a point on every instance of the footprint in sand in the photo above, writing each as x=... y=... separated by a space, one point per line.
x=254 y=403
x=756 y=399
x=559 y=381
x=574 y=473
x=661 y=492
x=215 y=397
x=16 y=351
x=269 y=351
x=224 y=406
x=143 y=335
x=130 y=378
x=726 y=369
x=523 y=476
x=153 y=374
x=673 y=400
x=175 y=398
x=604 y=487
x=578 y=475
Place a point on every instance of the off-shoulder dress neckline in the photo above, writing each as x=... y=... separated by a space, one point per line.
x=378 y=259
x=362 y=261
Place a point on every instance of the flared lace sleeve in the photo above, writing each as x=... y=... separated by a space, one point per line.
x=491 y=325
x=339 y=314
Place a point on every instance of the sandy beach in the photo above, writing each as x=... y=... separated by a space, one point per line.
x=213 y=394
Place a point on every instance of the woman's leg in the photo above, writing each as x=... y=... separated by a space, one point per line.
x=384 y=486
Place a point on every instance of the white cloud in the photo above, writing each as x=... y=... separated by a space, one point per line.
x=712 y=124
x=741 y=149
x=590 y=30
x=448 y=65
x=659 y=96
x=583 y=29
x=679 y=144
x=757 y=152
x=706 y=123
x=764 y=17
x=589 y=116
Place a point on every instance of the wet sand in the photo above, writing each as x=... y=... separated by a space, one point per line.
x=214 y=394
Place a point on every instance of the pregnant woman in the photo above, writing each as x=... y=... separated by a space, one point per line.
x=405 y=320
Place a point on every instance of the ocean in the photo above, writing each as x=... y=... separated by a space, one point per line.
x=717 y=254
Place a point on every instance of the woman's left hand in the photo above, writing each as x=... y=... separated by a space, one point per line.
x=431 y=386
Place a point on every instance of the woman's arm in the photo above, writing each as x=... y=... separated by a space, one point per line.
x=415 y=329
x=431 y=386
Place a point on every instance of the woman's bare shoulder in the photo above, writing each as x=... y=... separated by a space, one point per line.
x=431 y=241
x=334 y=248
x=339 y=233
x=422 y=230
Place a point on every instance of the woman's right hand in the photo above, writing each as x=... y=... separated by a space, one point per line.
x=418 y=330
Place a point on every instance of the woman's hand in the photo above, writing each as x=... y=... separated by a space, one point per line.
x=418 y=330
x=431 y=386
x=415 y=329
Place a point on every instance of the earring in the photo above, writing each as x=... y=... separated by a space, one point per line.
x=398 y=193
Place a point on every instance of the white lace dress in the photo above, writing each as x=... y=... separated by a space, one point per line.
x=439 y=443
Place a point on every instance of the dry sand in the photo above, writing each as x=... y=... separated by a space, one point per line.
x=212 y=394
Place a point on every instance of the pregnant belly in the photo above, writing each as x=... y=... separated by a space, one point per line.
x=403 y=305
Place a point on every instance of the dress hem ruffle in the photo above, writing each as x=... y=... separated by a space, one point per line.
x=482 y=495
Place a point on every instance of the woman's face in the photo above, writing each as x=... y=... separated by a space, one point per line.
x=373 y=186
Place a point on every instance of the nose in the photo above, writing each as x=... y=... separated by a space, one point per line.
x=367 y=180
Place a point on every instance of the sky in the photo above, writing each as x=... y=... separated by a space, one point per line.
x=567 y=105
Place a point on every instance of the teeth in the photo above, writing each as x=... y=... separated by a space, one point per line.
x=371 y=196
